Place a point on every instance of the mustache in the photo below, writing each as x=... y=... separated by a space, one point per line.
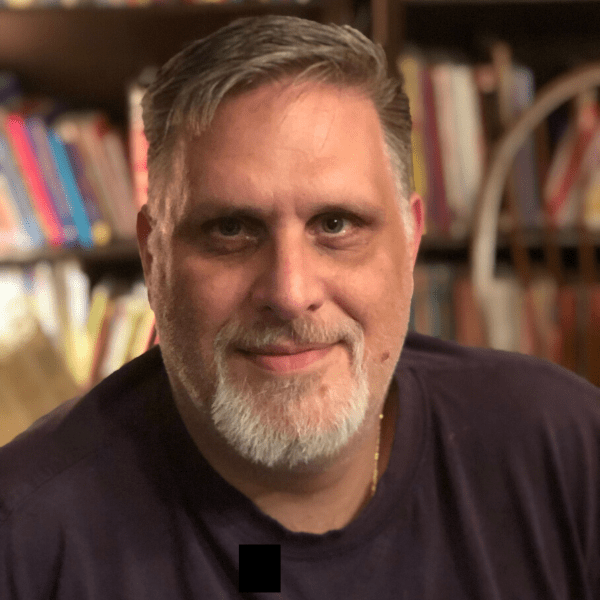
x=300 y=331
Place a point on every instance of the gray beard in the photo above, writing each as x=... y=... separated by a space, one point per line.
x=265 y=422
x=266 y=426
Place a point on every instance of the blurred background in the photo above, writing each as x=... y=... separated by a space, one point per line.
x=506 y=156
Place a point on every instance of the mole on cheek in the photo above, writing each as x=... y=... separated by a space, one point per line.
x=385 y=356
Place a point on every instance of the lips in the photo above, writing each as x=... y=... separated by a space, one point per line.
x=283 y=358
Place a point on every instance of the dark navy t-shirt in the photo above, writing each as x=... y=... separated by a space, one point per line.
x=492 y=493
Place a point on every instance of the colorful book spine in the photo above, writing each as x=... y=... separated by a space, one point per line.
x=38 y=138
x=10 y=225
x=138 y=145
x=99 y=222
x=20 y=195
x=72 y=193
x=26 y=160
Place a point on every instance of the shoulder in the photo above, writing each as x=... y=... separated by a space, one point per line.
x=73 y=434
x=503 y=397
x=487 y=374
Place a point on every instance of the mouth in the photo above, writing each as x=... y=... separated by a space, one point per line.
x=284 y=358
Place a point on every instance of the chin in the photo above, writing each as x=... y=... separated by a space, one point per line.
x=289 y=423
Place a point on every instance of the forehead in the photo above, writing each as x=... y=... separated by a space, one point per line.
x=286 y=141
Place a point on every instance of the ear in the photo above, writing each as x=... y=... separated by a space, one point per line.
x=417 y=209
x=144 y=226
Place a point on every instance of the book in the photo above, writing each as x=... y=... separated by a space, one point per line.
x=105 y=150
x=138 y=144
x=486 y=81
x=43 y=155
x=439 y=214
x=525 y=167
x=100 y=153
x=441 y=79
x=33 y=376
x=411 y=66
x=144 y=336
x=16 y=131
x=470 y=144
x=102 y=231
x=119 y=336
x=12 y=235
x=18 y=194
x=102 y=305
x=565 y=174
x=72 y=195
x=72 y=288
x=39 y=279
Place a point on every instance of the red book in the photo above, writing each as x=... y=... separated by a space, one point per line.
x=566 y=167
x=32 y=175
x=439 y=212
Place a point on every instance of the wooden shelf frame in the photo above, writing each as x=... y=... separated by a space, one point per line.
x=88 y=56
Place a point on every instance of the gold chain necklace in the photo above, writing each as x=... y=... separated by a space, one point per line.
x=376 y=469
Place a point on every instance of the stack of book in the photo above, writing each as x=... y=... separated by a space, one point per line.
x=58 y=337
x=65 y=179
x=461 y=110
x=457 y=111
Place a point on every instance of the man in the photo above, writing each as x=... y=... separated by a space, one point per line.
x=286 y=404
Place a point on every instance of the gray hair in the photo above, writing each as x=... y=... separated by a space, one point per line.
x=253 y=51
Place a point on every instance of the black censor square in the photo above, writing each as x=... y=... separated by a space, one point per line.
x=260 y=568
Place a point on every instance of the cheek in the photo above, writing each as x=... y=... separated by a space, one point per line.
x=378 y=295
x=210 y=295
x=379 y=298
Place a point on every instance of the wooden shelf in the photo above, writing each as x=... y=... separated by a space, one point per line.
x=87 y=56
x=120 y=251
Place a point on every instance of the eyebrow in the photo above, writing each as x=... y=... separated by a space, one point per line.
x=210 y=208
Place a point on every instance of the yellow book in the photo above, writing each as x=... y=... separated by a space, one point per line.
x=411 y=67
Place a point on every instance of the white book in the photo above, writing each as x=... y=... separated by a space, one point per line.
x=470 y=146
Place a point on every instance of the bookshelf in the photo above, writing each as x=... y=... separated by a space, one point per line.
x=549 y=36
x=87 y=56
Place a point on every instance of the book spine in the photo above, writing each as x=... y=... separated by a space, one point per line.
x=99 y=222
x=439 y=205
x=19 y=193
x=10 y=226
x=38 y=138
x=26 y=160
x=138 y=146
x=72 y=193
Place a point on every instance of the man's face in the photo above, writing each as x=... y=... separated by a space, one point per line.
x=283 y=298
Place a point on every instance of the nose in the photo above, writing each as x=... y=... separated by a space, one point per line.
x=289 y=283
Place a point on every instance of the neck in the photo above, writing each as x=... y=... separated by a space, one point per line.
x=312 y=499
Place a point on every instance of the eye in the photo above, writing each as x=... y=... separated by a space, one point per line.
x=333 y=223
x=229 y=227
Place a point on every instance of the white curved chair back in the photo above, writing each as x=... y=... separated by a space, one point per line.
x=485 y=233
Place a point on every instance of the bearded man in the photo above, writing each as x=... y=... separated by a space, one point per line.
x=286 y=405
